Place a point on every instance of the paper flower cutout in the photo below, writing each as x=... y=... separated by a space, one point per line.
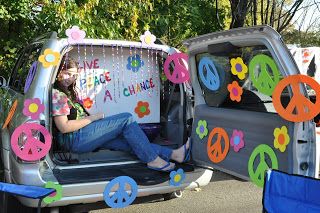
x=237 y=140
x=33 y=108
x=49 y=58
x=55 y=196
x=134 y=63
x=281 y=138
x=142 y=109
x=75 y=35
x=87 y=103
x=238 y=67
x=202 y=130
x=148 y=38
x=235 y=91
x=176 y=177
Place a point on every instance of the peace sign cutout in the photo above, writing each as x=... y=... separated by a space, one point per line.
x=32 y=149
x=257 y=176
x=120 y=198
x=264 y=82
x=212 y=79
x=214 y=150
x=305 y=109
x=180 y=72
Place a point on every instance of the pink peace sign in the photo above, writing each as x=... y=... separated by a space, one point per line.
x=32 y=149
x=180 y=72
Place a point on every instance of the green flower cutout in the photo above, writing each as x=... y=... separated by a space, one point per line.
x=54 y=196
x=202 y=130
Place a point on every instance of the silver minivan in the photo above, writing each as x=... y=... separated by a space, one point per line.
x=236 y=137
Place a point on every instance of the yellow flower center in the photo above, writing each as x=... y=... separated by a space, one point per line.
x=147 y=39
x=33 y=107
x=177 y=178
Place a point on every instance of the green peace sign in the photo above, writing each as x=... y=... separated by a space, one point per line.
x=257 y=176
x=262 y=80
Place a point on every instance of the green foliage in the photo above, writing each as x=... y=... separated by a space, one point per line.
x=171 y=20
x=303 y=39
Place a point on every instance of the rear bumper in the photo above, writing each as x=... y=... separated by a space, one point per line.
x=93 y=192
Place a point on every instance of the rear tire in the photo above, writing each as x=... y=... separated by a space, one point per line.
x=173 y=195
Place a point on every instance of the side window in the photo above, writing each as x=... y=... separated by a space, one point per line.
x=232 y=85
x=21 y=71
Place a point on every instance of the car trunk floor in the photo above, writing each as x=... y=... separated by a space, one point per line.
x=139 y=172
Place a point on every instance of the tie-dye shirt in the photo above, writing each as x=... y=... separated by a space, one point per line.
x=62 y=105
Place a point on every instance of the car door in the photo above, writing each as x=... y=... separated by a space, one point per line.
x=236 y=127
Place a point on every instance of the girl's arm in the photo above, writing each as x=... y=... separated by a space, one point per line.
x=64 y=125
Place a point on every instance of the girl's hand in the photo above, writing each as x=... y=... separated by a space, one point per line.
x=97 y=116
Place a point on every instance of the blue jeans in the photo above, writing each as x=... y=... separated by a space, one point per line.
x=118 y=132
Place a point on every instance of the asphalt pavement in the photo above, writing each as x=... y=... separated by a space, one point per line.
x=224 y=194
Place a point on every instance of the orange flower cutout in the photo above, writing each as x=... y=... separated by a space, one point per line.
x=87 y=103
x=142 y=109
x=235 y=91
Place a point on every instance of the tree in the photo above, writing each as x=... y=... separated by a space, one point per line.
x=172 y=20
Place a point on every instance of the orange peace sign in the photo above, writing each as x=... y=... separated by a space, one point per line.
x=10 y=114
x=305 y=109
x=214 y=150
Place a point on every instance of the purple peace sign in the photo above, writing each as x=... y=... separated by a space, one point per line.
x=33 y=149
x=180 y=72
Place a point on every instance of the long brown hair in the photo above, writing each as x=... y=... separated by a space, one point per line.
x=67 y=63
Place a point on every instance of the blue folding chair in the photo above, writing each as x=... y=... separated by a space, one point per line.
x=34 y=192
x=290 y=193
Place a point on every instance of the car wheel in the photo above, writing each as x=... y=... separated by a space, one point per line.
x=173 y=195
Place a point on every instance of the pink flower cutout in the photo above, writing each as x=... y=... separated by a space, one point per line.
x=33 y=108
x=75 y=35
x=148 y=38
x=237 y=140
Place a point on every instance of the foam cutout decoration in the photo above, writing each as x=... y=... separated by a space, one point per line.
x=299 y=108
x=281 y=138
x=180 y=72
x=211 y=80
x=202 y=129
x=87 y=103
x=214 y=149
x=31 y=74
x=237 y=140
x=257 y=175
x=264 y=82
x=148 y=38
x=238 y=68
x=235 y=91
x=120 y=198
x=33 y=149
x=75 y=35
x=33 y=108
x=142 y=109
x=135 y=63
x=177 y=177
x=57 y=195
x=3 y=82
x=10 y=114
x=49 y=58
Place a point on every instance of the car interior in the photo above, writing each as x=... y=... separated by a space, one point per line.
x=104 y=164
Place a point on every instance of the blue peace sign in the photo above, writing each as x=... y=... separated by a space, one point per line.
x=120 y=198
x=212 y=79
